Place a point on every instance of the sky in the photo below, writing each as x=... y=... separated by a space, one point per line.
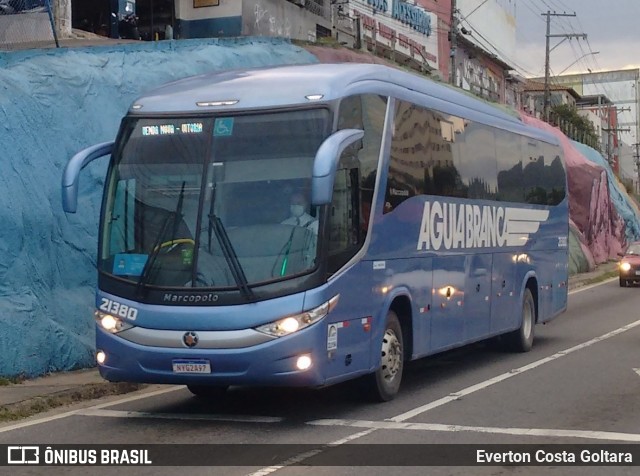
x=612 y=28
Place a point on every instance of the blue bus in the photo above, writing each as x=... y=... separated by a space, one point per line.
x=431 y=220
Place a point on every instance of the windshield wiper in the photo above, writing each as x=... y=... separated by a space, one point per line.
x=231 y=257
x=157 y=245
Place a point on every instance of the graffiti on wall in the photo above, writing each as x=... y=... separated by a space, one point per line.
x=270 y=24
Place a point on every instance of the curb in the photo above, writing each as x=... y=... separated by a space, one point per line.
x=43 y=403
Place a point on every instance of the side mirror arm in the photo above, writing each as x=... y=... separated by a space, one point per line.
x=326 y=163
x=72 y=171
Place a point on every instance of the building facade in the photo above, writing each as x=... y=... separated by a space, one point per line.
x=485 y=43
x=410 y=33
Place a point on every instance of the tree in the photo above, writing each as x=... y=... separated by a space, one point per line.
x=577 y=127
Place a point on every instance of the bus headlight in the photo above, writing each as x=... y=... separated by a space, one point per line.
x=290 y=324
x=111 y=323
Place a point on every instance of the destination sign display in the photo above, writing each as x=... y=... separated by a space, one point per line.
x=172 y=129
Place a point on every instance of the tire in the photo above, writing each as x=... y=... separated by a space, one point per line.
x=384 y=383
x=208 y=391
x=521 y=340
x=623 y=283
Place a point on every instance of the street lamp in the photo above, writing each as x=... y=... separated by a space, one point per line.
x=583 y=56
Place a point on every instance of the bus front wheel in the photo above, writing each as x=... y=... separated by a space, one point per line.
x=384 y=383
x=521 y=340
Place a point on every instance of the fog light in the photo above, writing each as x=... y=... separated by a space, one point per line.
x=303 y=362
x=101 y=357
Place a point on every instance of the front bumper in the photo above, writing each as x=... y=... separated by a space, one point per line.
x=271 y=363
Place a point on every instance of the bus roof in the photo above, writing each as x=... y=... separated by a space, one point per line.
x=282 y=86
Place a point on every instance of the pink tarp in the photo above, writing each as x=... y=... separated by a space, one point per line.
x=590 y=206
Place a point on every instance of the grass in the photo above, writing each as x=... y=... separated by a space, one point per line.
x=37 y=405
x=5 y=381
x=602 y=277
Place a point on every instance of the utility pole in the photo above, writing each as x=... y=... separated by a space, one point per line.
x=611 y=153
x=62 y=17
x=453 y=39
x=636 y=161
x=547 y=92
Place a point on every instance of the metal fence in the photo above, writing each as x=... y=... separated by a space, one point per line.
x=26 y=24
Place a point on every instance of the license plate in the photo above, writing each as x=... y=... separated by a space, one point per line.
x=184 y=366
x=637 y=273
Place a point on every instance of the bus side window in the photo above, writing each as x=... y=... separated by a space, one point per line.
x=344 y=234
x=365 y=112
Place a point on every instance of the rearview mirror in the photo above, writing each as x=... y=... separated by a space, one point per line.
x=72 y=171
x=326 y=163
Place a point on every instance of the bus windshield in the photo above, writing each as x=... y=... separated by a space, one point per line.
x=218 y=202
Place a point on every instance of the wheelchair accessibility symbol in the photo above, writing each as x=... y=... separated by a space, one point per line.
x=223 y=127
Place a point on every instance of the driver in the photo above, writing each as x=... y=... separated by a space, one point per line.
x=299 y=215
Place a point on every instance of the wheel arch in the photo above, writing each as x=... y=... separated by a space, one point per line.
x=400 y=302
x=530 y=281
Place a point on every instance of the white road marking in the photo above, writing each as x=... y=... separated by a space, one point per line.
x=637 y=371
x=397 y=422
x=309 y=454
x=133 y=398
x=96 y=412
x=500 y=378
x=390 y=425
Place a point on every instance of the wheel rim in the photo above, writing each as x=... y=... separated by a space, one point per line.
x=391 y=355
x=527 y=319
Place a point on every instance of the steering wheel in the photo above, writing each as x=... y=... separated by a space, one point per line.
x=175 y=257
x=173 y=243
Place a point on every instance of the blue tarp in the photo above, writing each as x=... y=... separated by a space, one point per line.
x=52 y=104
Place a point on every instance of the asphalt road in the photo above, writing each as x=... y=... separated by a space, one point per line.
x=580 y=385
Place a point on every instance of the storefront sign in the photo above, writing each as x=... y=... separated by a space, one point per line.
x=413 y=16
x=389 y=32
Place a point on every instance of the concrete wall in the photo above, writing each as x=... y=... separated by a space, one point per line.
x=280 y=18
x=223 y=20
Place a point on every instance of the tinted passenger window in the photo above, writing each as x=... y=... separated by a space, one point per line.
x=438 y=154
x=543 y=174
x=475 y=159
x=509 y=165
x=421 y=157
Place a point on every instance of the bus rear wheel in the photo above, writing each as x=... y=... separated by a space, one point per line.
x=208 y=391
x=384 y=383
x=521 y=340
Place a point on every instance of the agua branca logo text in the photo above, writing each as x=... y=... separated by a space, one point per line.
x=454 y=226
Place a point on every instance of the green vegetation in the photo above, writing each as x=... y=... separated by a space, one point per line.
x=575 y=126
x=602 y=277
x=34 y=406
